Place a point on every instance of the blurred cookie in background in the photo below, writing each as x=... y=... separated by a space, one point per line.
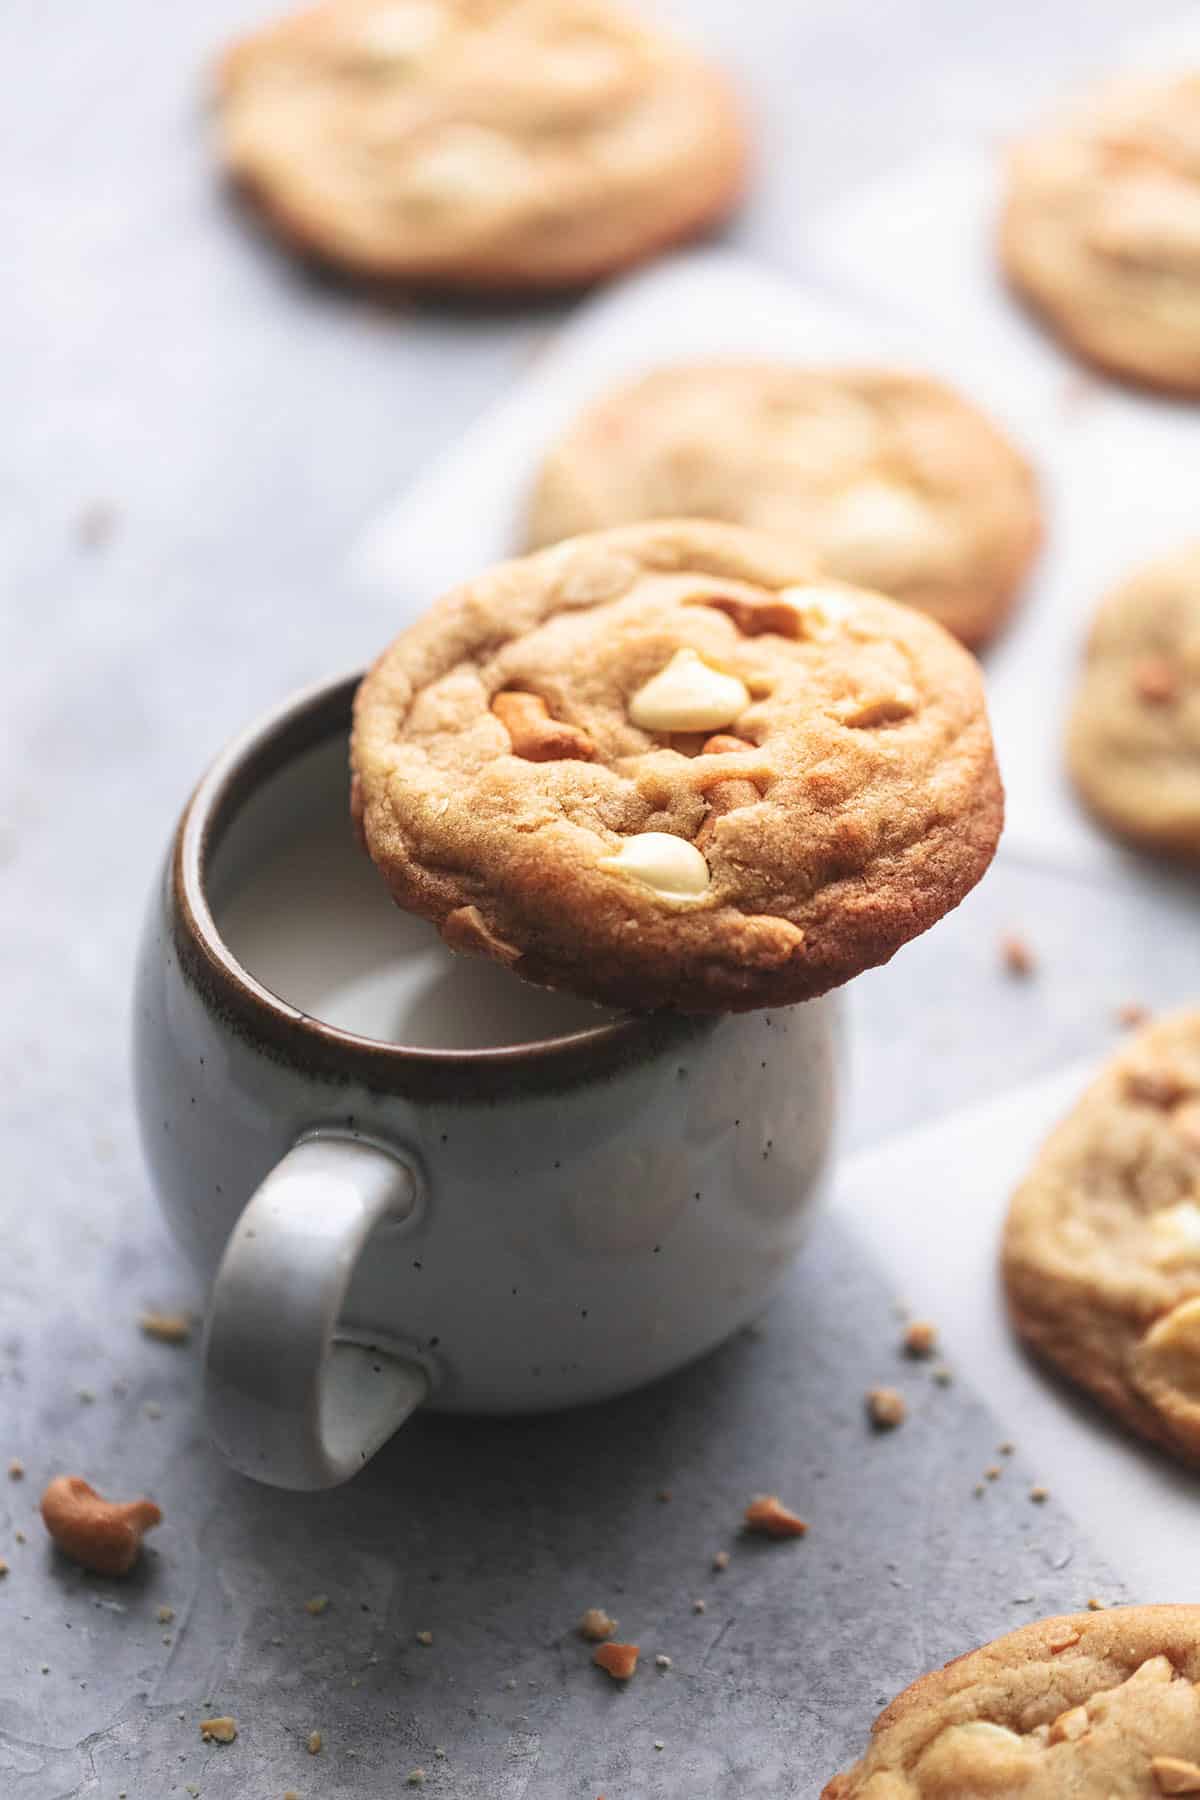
x=891 y=480
x=1102 y=1246
x=1133 y=743
x=1101 y=228
x=492 y=144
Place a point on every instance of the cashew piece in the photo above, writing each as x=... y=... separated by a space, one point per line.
x=534 y=734
x=104 y=1535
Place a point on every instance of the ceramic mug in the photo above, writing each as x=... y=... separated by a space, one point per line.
x=508 y=1227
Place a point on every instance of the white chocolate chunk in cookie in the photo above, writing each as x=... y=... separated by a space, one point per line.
x=874 y=523
x=671 y=866
x=466 y=165
x=1175 y=1775
x=1176 y=1234
x=689 y=695
x=995 y=1755
x=822 y=611
x=394 y=35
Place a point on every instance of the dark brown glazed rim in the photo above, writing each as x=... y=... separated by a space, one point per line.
x=286 y=1034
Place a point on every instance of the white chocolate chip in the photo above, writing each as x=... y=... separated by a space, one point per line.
x=465 y=164
x=1177 y=1233
x=823 y=611
x=1156 y=1671
x=873 y=524
x=689 y=695
x=983 y=1728
x=397 y=34
x=1178 y=1331
x=672 y=867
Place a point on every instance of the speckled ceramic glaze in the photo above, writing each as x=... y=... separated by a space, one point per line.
x=495 y=1230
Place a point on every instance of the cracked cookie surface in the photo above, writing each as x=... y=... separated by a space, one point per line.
x=1134 y=738
x=479 y=143
x=890 y=480
x=1101 y=228
x=1087 y=1707
x=1101 y=1251
x=665 y=766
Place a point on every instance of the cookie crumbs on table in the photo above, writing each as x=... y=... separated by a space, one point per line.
x=425 y=1638
x=920 y=1339
x=662 y=1662
x=993 y=1472
x=415 y=1778
x=166 y=1327
x=16 y=1469
x=943 y=1376
x=317 y=1605
x=1039 y=1495
x=1017 y=955
x=618 y=1660
x=313 y=1743
x=886 y=1408
x=720 y=1561
x=220 y=1730
x=767 y=1516
x=699 y=1606
x=596 y=1625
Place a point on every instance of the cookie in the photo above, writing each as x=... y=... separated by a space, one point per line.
x=891 y=480
x=496 y=144
x=1101 y=1251
x=1100 y=230
x=1133 y=742
x=665 y=767
x=1086 y=1707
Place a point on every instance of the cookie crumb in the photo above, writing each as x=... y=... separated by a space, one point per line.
x=979 y=1490
x=1017 y=955
x=313 y=1743
x=1095 y=1605
x=943 y=1376
x=1132 y=1013
x=20 y=1537
x=699 y=1606
x=617 y=1660
x=3 y=1567
x=221 y=1730
x=886 y=1407
x=167 y=1327
x=720 y=1560
x=414 y=1778
x=993 y=1472
x=165 y=1614
x=291 y=1794
x=16 y=1469
x=1039 y=1495
x=662 y=1662
x=663 y=1496
x=425 y=1638
x=920 y=1339
x=1006 y=1449
x=769 y=1517
x=658 y=1744
x=596 y=1625
x=317 y=1605
x=439 y=1752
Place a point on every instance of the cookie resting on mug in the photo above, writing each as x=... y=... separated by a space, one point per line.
x=1134 y=737
x=667 y=767
x=479 y=143
x=1092 y=1706
x=889 y=478
x=1102 y=1247
x=1101 y=228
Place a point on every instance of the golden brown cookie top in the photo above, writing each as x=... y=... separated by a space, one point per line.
x=1085 y=1707
x=1103 y=226
x=1102 y=1244
x=1134 y=738
x=490 y=142
x=665 y=766
x=891 y=480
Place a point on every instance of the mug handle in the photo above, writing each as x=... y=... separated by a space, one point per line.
x=290 y=1399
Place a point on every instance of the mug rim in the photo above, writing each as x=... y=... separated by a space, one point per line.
x=260 y=750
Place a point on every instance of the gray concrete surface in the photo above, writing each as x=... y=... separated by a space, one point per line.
x=242 y=419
